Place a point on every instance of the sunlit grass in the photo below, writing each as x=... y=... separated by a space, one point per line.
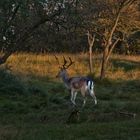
x=45 y=65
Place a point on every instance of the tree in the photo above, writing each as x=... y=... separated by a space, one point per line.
x=110 y=40
x=109 y=18
x=91 y=39
x=19 y=20
x=134 y=43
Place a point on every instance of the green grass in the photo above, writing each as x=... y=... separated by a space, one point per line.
x=37 y=108
x=83 y=131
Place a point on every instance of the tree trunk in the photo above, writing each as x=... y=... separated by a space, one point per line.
x=5 y=57
x=108 y=43
x=90 y=60
x=91 y=39
x=104 y=63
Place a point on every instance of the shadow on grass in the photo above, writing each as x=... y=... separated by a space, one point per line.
x=107 y=89
x=44 y=100
x=125 y=64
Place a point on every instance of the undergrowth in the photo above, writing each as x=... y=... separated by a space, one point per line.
x=34 y=105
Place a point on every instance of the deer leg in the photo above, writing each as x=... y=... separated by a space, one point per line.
x=72 y=97
x=92 y=94
x=84 y=102
x=83 y=92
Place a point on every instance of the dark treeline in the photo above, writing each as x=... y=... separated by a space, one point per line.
x=63 y=26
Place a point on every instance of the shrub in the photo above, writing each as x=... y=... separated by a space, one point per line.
x=10 y=84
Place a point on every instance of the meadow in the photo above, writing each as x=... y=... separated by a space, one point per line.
x=34 y=104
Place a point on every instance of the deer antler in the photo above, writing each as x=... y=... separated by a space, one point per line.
x=57 y=60
x=71 y=62
x=65 y=62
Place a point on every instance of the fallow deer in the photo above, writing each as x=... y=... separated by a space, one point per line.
x=74 y=84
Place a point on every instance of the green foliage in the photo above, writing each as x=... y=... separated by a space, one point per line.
x=10 y=84
x=19 y=97
x=134 y=42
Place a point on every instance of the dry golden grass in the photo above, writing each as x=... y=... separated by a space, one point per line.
x=45 y=65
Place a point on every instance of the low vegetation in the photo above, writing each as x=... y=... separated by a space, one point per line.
x=34 y=105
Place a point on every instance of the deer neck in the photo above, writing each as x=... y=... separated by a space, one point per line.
x=65 y=79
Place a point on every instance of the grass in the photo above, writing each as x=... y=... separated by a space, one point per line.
x=34 y=105
x=120 y=67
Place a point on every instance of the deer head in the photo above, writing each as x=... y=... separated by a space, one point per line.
x=63 y=68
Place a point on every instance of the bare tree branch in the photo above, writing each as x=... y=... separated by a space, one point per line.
x=112 y=47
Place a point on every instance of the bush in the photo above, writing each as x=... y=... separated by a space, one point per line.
x=10 y=84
